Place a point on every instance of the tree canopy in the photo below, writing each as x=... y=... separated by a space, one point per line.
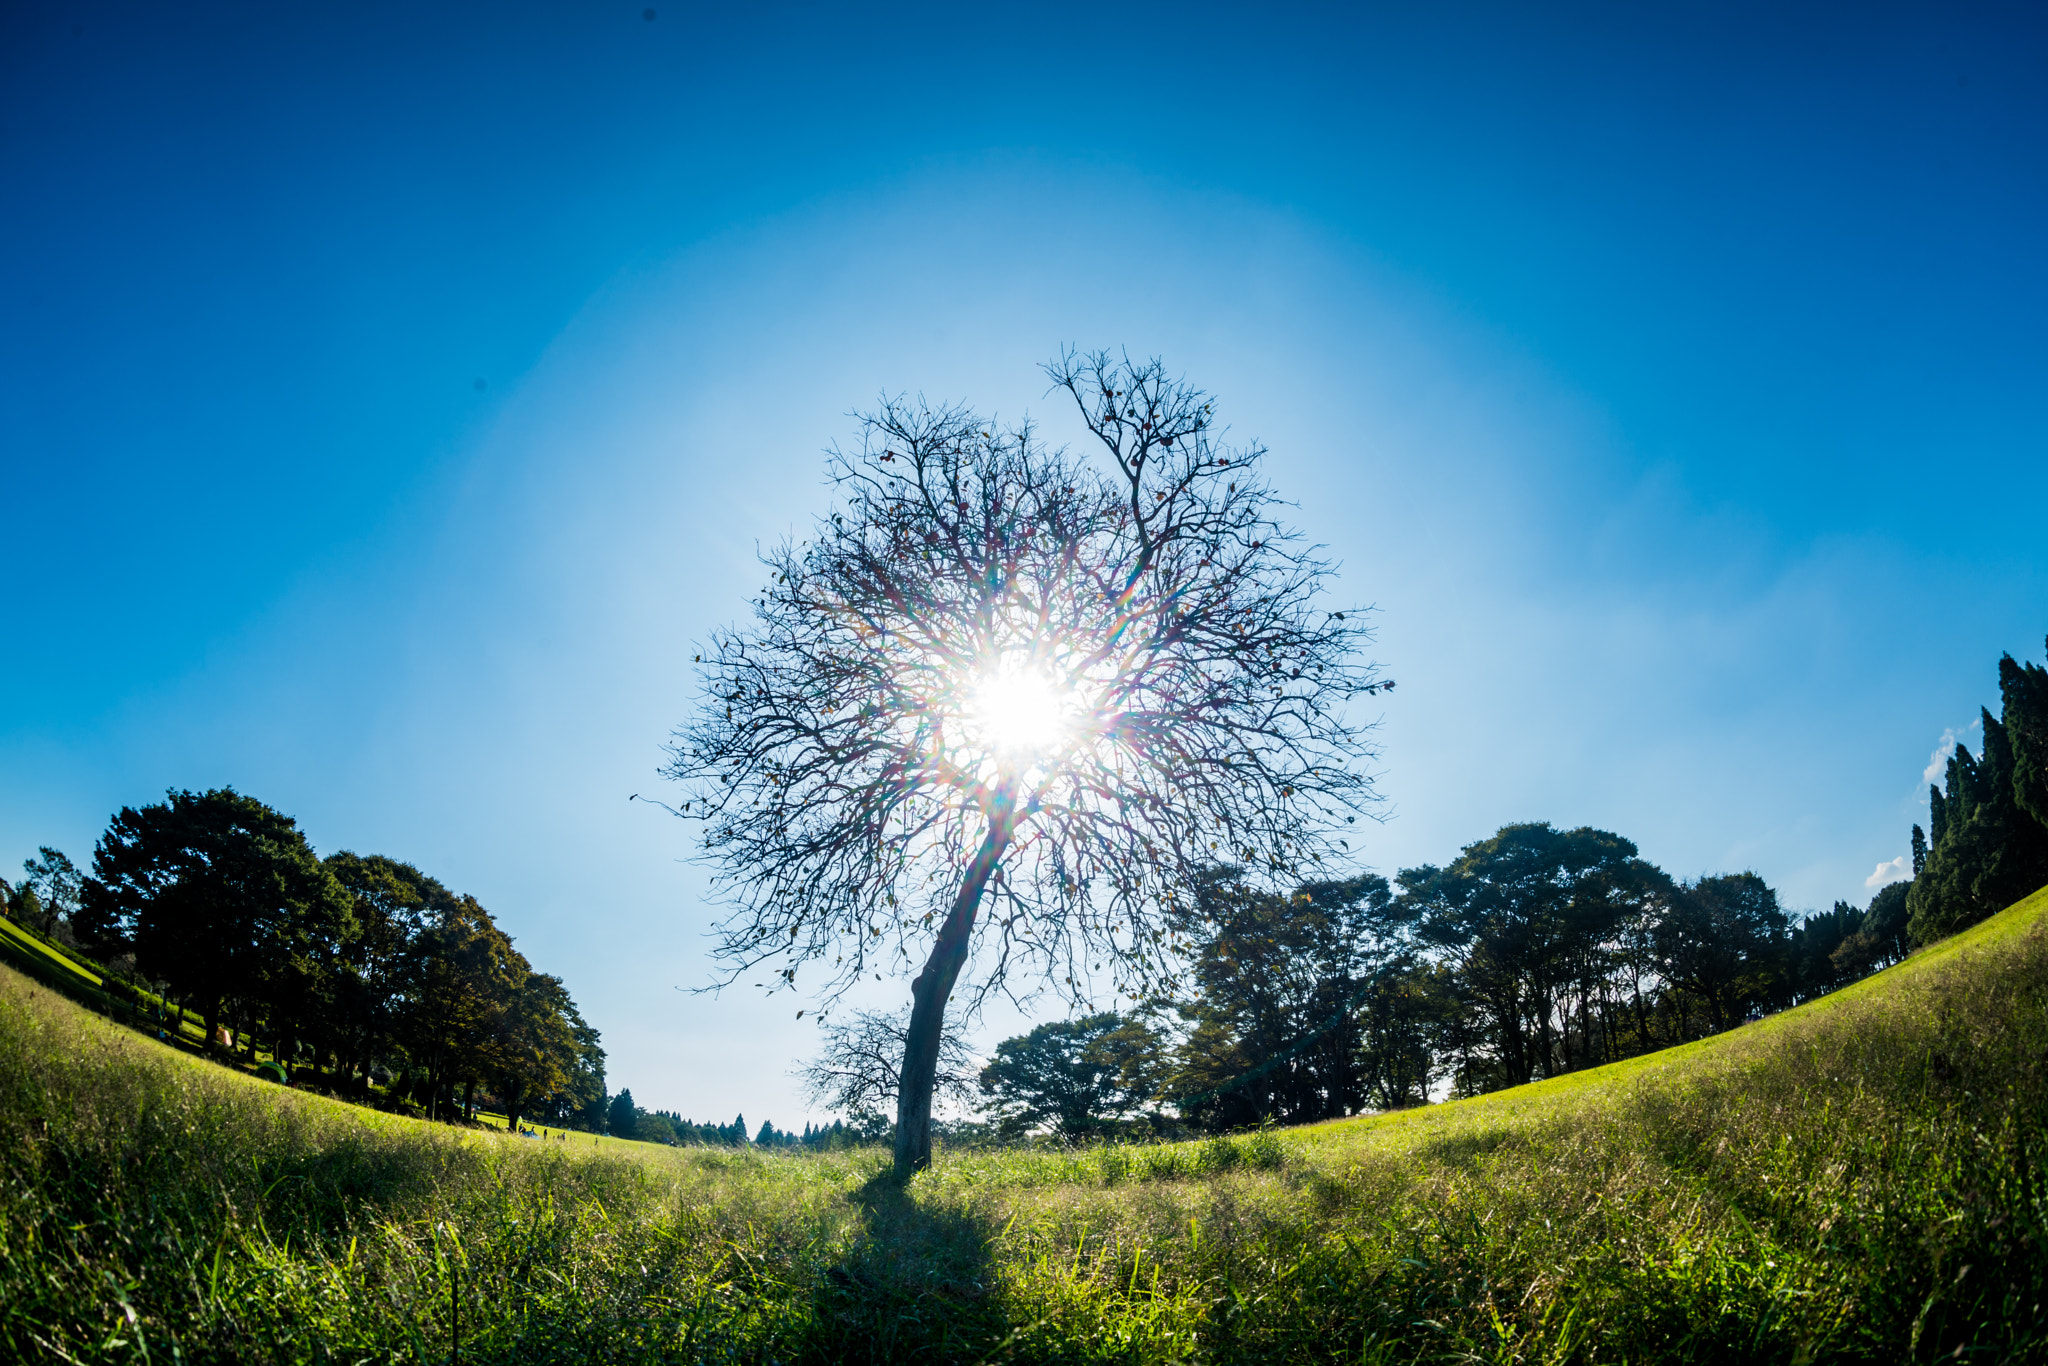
x=1073 y=1075
x=221 y=897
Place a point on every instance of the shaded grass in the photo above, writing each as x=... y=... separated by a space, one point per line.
x=1858 y=1179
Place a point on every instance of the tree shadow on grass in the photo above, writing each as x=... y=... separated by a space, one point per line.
x=918 y=1285
x=1463 y=1152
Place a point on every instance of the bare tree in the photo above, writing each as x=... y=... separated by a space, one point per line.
x=1000 y=673
x=860 y=1066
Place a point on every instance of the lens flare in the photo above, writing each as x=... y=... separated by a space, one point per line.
x=1020 y=713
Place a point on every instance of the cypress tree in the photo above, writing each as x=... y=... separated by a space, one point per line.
x=2024 y=688
x=1987 y=852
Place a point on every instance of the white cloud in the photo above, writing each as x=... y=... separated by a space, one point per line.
x=1895 y=871
x=1937 y=763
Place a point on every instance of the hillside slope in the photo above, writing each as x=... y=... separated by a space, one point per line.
x=1861 y=1178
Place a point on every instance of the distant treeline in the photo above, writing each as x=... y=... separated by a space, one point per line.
x=365 y=976
x=1536 y=952
x=626 y=1120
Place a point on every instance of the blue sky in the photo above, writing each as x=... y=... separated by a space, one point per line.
x=390 y=395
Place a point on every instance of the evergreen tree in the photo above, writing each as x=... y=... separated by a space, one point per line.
x=1987 y=851
x=2024 y=688
x=1810 y=953
x=621 y=1119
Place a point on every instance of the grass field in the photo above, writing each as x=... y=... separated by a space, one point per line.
x=1858 y=1179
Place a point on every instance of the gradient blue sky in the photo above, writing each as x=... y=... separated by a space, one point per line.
x=389 y=396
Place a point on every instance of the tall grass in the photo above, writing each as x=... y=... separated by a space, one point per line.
x=1862 y=1179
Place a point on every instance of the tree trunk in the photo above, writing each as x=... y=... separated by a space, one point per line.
x=930 y=992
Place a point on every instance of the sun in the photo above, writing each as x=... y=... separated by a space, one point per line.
x=1019 y=713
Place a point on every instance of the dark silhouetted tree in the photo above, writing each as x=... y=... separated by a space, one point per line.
x=56 y=884
x=1281 y=986
x=621 y=1117
x=221 y=898
x=460 y=978
x=1880 y=937
x=1401 y=1022
x=2024 y=689
x=395 y=903
x=1724 y=941
x=1810 y=952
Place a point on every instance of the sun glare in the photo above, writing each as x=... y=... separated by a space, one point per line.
x=1020 y=713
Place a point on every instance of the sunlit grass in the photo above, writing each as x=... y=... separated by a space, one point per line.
x=1861 y=1178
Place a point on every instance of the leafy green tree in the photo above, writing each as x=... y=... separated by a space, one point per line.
x=581 y=1101
x=1280 y=984
x=1986 y=851
x=658 y=1126
x=1723 y=942
x=395 y=903
x=1880 y=938
x=56 y=887
x=222 y=898
x=533 y=1051
x=1534 y=921
x=460 y=977
x=1072 y=1076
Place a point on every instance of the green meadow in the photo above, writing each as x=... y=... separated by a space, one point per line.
x=1861 y=1178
